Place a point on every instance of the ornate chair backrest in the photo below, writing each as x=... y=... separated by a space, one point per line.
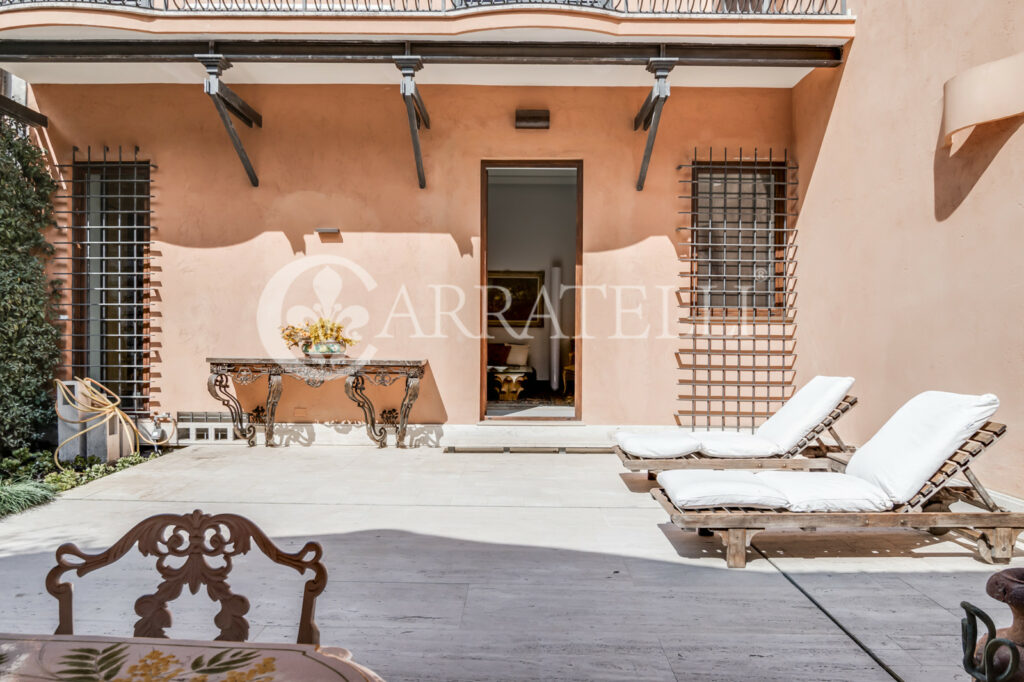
x=194 y=538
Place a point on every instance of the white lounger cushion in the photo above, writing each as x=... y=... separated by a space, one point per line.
x=735 y=444
x=914 y=443
x=664 y=445
x=679 y=443
x=823 y=491
x=797 y=491
x=805 y=410
x=696 y=488
x=801 y=413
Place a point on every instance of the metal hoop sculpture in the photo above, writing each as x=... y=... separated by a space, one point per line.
x=987 y=668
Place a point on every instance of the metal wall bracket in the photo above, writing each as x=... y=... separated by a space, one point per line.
x=21 y=113
x=228 y=103
x=650 y=111
x=414 y=107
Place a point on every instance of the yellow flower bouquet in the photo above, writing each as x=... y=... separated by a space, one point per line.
x=321 y=337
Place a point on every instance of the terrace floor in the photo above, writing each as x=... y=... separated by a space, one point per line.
x=510 y=567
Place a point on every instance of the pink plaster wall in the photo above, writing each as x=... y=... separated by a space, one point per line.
x=910 y=252
x=340 y=156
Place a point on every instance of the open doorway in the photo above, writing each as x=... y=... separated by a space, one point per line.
x=531 y=272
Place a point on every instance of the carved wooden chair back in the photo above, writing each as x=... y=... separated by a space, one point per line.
x=183 y=544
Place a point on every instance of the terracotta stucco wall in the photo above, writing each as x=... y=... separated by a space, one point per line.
x=340 y=156
x=910 y=252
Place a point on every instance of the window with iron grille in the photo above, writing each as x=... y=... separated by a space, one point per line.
x=738 y=231
x=737 y=253
x=107 y=283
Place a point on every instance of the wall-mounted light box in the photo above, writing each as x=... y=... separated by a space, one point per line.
x=537 y=119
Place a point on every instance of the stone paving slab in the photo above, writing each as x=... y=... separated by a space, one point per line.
x=485 y=566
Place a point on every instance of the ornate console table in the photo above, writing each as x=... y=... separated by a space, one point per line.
x=224 y=371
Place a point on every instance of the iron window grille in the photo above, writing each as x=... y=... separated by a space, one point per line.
x=737 y=251
x=105 y=207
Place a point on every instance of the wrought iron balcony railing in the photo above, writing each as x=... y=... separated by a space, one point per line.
x=745 y=8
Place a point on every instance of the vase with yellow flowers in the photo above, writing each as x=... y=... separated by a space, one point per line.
x=321 y=338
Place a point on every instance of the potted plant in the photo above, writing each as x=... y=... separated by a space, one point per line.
x=320 y=338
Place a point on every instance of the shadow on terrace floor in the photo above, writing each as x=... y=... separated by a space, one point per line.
x=424 y=607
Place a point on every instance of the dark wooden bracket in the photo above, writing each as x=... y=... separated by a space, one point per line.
x=21 y=113
x=414 y=107
x=650 y=111
x=228 y=103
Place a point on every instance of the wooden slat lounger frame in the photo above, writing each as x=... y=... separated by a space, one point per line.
x=994 y=529
x=784 y=460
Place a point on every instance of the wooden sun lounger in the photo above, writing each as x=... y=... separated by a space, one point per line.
x=814 y=458
x=994 y=529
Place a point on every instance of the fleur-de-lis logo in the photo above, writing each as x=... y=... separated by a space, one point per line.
x=328 y=295
x=327 y=287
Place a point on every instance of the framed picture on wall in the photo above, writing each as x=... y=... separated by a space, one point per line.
x=517 y=294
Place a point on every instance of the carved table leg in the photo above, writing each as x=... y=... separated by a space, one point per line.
x=273 y=396
x=355 y=389
x=412 y=391
x=219 y=386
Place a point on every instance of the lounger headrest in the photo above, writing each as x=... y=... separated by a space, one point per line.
x=805 y=410
x=914 y=443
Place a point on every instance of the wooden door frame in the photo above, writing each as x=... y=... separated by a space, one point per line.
x=578 y=266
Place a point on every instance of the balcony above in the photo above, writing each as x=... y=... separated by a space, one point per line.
x=739 y=22
x=719 y=9
x=472 y=42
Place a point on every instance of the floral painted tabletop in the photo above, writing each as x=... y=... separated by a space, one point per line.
x=81 y=658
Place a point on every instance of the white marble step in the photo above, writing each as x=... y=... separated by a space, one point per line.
x=492 y=435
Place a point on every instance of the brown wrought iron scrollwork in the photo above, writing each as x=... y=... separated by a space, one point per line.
x=382 y=378
x=273 y=397
x=244 y=376
x=195 y=538
x=412 y=391
x=219 y=386
x=355 y=388
x=314 y=373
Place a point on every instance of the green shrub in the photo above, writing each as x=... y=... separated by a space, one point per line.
x=24 y=464
x=129 y=461
x=63 y=480
x=80 y=463
x=20 y=495
x=82 y=471
x=28 y=339
x=71 y=478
